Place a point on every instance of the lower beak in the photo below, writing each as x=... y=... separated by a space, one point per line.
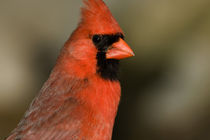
x=119 y=50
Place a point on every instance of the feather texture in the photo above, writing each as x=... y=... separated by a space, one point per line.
x=79 y=101
x=81 y=109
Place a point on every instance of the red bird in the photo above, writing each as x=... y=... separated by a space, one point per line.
x=79 y=101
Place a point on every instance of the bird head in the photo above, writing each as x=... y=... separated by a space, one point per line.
x=99 y=37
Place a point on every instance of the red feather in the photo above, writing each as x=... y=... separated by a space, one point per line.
x=76 y=103
x=68 y=108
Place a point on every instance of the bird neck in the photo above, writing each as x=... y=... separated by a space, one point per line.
x=101 y=104
x=98 y=101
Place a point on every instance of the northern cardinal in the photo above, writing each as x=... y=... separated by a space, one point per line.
x=79 y=101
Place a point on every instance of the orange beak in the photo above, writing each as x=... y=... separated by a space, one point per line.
x=119 y=50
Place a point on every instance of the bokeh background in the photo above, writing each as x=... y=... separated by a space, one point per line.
x=165 y=87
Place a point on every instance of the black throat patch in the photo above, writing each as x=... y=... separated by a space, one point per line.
x=106 y=68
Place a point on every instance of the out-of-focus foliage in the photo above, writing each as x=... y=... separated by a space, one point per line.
x=166 y=90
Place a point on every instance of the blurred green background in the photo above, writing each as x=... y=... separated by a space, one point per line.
x=165 y=87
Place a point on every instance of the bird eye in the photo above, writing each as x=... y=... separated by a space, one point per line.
x=97 y=38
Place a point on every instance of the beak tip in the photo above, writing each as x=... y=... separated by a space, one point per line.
x=133 y=54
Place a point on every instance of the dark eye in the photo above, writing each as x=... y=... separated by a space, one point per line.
x=97 y=39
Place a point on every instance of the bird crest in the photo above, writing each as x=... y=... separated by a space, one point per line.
x=97 y=18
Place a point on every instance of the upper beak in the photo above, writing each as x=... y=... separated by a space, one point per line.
x=119 y=50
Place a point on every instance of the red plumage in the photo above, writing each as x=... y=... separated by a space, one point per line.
x=77 y=102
